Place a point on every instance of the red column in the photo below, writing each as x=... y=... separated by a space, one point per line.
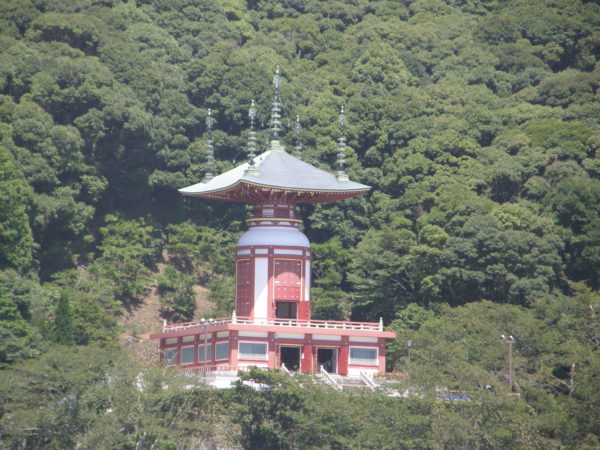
x=343 y=357
x=196 y=340
x=306 y=361
x=233 y=349
x=381 y=355
x=178 y=360
x=272 y=345
x=304 y=310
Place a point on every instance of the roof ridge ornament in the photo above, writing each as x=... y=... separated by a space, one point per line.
x=210 y=151
x=298 y=148
x=341 y=175
x=252 y=169
x=276 y=107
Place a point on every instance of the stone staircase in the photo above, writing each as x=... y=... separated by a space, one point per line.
x=355 y=384
x=346 y=383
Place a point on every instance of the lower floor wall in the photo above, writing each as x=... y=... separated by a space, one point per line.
x=307 y=353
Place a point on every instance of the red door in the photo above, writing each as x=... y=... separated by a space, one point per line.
x=244 y=286
x=288 y=277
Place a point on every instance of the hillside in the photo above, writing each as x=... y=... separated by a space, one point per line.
x=476 y=122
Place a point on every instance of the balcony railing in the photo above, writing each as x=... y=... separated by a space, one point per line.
x=287 y=323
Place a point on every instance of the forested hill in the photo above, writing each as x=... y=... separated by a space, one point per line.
x=477 y=122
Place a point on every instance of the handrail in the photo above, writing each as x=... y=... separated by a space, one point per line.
x=285 y=369
x=329 y=379
x=293 y=323
x=368 y=380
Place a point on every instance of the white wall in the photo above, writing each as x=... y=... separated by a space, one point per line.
x=307 y=281
x=261 y=287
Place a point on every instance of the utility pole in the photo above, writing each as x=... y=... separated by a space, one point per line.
x=205 y=322
x=510 y=341
x=409 y=346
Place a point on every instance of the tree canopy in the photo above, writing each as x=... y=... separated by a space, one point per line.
x=477 y=124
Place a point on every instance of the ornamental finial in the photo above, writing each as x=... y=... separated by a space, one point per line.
x=298 y=147
x=341 y=175
x=210 y=151
x=252 y=170
x=276 y=108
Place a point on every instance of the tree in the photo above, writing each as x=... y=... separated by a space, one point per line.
x=16 y=239
x=62 y=328
x=177 y=295
x=129 y=249
x=17 y=336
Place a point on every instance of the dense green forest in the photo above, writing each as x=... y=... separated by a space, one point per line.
x=477 y=122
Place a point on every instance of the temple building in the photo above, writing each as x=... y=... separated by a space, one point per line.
x=271 y=326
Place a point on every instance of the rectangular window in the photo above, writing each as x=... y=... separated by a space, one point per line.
x=187 y=355
x=363 y=355
x=170 y=357
x=222 y=350
x=286 y=310
x=253 y=350
x=201 y=352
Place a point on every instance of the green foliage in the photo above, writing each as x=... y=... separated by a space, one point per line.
x=93 y=307
x=177 y=295
x=94 y=397
x=17 y=336
x=62 y=328
x=221 y=294
x=16 y=240
x=288 y=415
x=328 y=299
x=476 y=122
x=129 y=251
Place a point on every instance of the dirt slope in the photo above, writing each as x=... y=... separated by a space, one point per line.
x=139 y=323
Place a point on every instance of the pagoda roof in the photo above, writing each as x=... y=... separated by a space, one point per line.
x=279 y=177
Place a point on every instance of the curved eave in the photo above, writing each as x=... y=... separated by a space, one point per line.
x=245 y=191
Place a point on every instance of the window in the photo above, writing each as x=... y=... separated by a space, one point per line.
x=253 y=350
x=222 y=350
x=286 y=310
x=187 y=355
x=363 y=355
x=170 y=356
x=201 y=352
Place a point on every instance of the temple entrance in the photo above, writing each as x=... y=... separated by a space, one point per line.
x=290 y=356
x=327 y=357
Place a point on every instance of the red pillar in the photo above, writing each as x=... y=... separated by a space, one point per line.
x=233 y=349
x=343 y=357
x=272 y=349
x=381 y=355
x=306 y=361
